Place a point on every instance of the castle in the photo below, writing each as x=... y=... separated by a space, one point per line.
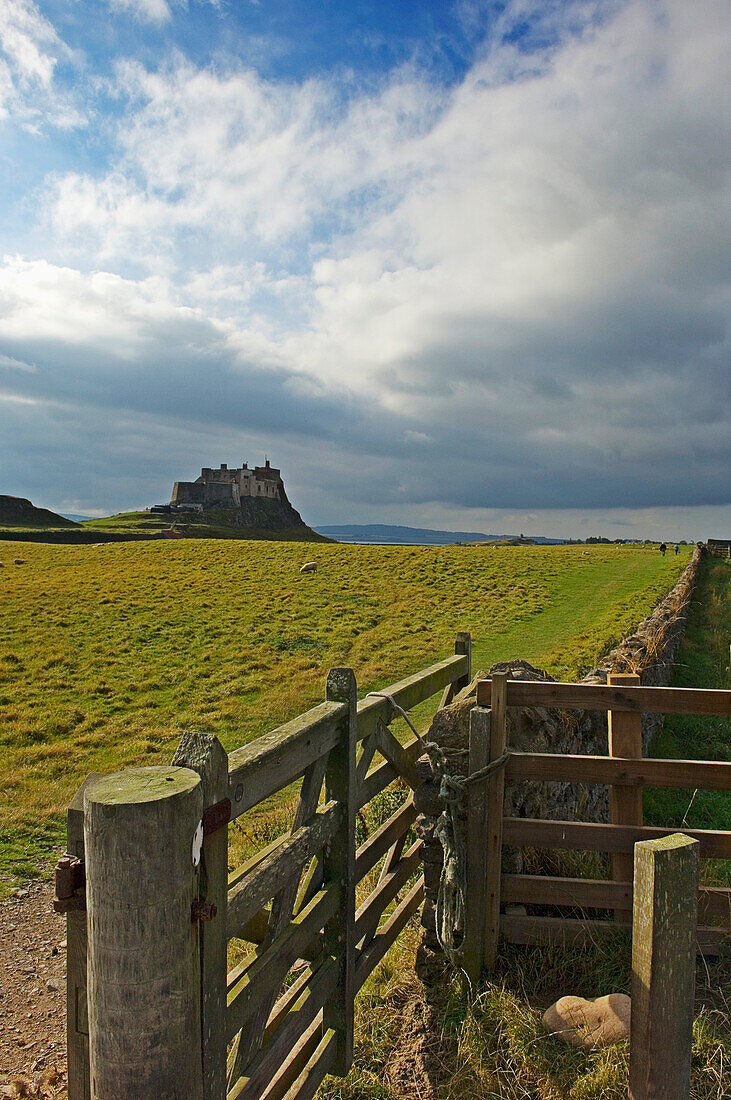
x=224 y=488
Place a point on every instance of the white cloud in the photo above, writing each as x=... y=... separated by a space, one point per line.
x=30 y=50
x=151 y=11
x=8 y=363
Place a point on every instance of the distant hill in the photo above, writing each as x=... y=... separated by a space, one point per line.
x=382 y=533
x=254 y=519
x=19 y=512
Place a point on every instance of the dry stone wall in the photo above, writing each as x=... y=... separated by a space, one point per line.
x=649 y=652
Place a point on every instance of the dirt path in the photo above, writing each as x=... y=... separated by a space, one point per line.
x=32 y=995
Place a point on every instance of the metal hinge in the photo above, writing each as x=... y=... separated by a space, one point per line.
x=69 y=878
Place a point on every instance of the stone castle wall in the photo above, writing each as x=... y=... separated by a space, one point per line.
x=650 y=652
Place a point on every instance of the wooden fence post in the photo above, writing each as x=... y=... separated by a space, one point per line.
x=476 y=864
x=339 y=864
x=663 y=967
x=142 y=828
x=204 y=754
x=624 y=730
x=495 y=809
x=77 y=1026
x=463 y=646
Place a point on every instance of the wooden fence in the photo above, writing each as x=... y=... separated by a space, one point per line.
x=624 y=770
x=317 y=910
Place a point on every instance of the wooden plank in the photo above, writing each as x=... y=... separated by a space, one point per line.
x=477 y=831
x=409 y=692
x=369 y=958
x=663 y=968
x=339 y=866
x=249 y=983
x=295 y=1062
x=77 y=1023
x=714 y=903
x=320 y=1064
x=704 y=774
x=398 y=824
x=625 y=803
x=364 y=760
x=372 y=909
x=645 y=700
x=275 y=760
x=249 y=1041
x=397 y=756
x=583 y=893
x=204 y=754
x=307 y=1005
x=288 y=858
x=384 y=774
x=495 y=810
x=590 y=836
x=515 y=928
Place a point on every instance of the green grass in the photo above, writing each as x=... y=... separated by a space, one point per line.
x=702 y=662
x=108 y=652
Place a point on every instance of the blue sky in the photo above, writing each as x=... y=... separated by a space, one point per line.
x=461 y=265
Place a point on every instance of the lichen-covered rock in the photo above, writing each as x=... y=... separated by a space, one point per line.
x=590 y=1024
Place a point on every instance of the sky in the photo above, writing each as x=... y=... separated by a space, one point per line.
x=461 y=265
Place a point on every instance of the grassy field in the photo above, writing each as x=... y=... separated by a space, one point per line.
x=108 y=652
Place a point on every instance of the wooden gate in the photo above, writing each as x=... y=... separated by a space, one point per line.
x=311 y=913
x=624 y=770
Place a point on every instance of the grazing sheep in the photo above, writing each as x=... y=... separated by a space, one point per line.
x=19 y=561
x=309 y=567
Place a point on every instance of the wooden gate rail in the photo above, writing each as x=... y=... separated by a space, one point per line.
x=597 y=837
x=640 y=700
x=623 y=769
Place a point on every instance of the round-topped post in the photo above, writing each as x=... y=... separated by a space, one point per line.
x=142 y=835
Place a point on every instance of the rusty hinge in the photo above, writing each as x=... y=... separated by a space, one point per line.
x=216 y=816
x=202 y=910
x=70 y=877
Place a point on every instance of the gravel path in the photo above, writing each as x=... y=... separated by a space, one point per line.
x=32 y=995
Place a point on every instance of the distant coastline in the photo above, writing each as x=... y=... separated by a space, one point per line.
x=386 y=534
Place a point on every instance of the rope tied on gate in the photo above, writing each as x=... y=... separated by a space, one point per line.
x=452 y=891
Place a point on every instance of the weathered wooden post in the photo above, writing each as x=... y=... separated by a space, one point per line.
x=663 y=967
x=204 y=754
x=495 y=810
x=462 y=647
x=339 y=863
x=476 y=863
x=625 y=803
x=142 y=834
x=77 y=1026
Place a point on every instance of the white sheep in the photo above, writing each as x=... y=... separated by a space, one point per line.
x=309 y=567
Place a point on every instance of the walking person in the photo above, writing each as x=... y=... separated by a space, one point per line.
x=663 y=548
x=676 y=548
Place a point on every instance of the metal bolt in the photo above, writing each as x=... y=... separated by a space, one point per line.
x=202 y=910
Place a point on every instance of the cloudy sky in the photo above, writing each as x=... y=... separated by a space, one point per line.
x=459 y=265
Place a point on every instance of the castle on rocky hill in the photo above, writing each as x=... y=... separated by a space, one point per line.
x=224 y=488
